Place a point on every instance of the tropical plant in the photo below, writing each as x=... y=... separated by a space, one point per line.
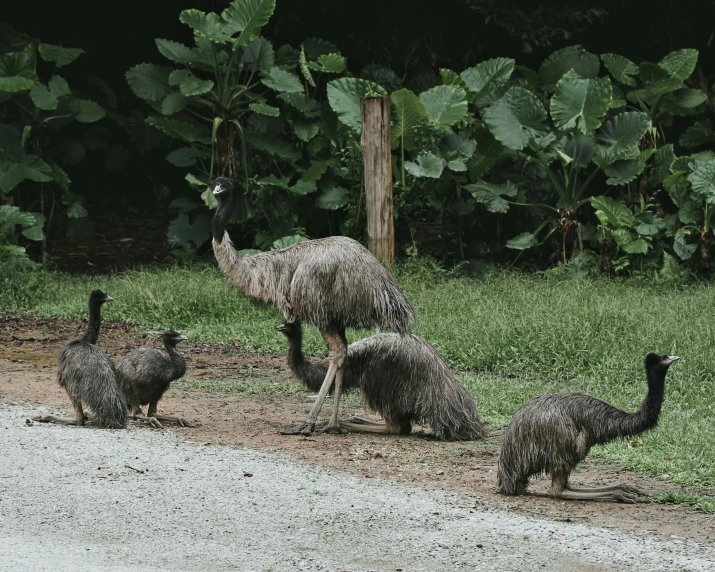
x=35 y=99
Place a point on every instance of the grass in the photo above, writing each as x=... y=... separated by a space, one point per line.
x=510 y=338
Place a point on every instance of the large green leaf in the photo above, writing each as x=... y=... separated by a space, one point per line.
x=408 y=118
x=627 y=243
x=426 y=165
x=10 y=142
x=664 y=157
x=86 y=110
x=623 y=131
x=680 y=63
x=703 y=180
x=175 y=51
x=611 y=212
x=184 y=156
x=11 y=215
x=207 y=26
x=58 y=86
x=17 y=70
x=316 y=47
x=328 y=63
x=179 y=129
x=304 y=69
x=11 y=174
x=622 y=69
x=516 y=118
x=383 y=76
x=287 y=241
x=306 y=105
x=445 y=105
x=61 y=56
x=274 y=146
x=699 y=133
x=36 y=169
x=258 y=55
x=193 y=86
x=623 y=172
x=344 y=95
x=653 y=91
x=305 y=130
x=492 y=195
x=522 y=242
x=42 y=97
x=282 y=80
x=173 y=103
x=149 y=81
x=34 y=231
x=264 y=109
x=333 y=199
x=487 y=76
x=182 y=231
x=575 y=58
x=450 y=77
x=580 y=103
x=581 y=149
x=486 y=154
x=248 y=17
x=648 y=224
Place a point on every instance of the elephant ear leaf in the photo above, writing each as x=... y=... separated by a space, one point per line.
x=580 y=103
x=516 y=118
x=408 y=118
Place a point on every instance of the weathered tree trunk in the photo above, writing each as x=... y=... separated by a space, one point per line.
x=378 y=178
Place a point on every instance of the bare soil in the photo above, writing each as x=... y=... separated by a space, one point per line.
x=28 y=350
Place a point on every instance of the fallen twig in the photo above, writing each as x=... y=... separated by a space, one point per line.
x=134 y=469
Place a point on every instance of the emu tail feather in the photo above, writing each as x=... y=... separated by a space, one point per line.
x=109 y=406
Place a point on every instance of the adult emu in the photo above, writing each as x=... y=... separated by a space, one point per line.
x=333 y=283
x=553 y=433
x=145 y=374
x=401 y=377
x=89 y=377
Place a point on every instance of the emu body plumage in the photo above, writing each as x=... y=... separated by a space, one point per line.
x=145 y=374
x=333 y=283
x=89 y=377
x=553 y=433
x=403 y=378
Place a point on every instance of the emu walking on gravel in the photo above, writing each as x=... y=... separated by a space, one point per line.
x=333 y=283
x=553 y=433
x=401 y=377
x=89 y=377
x=145 y=374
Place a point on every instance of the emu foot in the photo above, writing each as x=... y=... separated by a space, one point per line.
x=331 y=428
x=625 y=496
x=184 y=422
x=302 y=429
x=153 y=421
x=61 y=420
x=361 y=421
x=633 y=490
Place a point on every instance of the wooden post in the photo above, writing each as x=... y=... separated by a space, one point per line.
x=378 y=177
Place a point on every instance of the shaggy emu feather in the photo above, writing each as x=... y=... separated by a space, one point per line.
x=401 y=377
x=89 y=377
x=333 y=283
x=145 y=374
x=553 y=433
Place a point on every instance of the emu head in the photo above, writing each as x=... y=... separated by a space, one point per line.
x=173 y=338
x=290 y=329
x=99 y=297
x=654 y=361
x=221 y=185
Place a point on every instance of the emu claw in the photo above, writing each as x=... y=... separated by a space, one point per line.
x=625 y=496
x=41 y=418
x=331 y=428
x=633 y=490
x=302 y=429
x=154 y=422
x=184 y=422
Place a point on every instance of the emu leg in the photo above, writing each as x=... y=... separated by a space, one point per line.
x=183 y=421
x=560 y=489
x=338 y=350
x=361 y=425
x=153 y=421
x=334 y=425
x=621 y=487
x=78 y=419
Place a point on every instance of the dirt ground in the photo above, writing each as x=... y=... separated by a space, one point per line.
x=28 y=350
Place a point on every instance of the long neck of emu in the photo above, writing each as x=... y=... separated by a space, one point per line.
x=91 y=334
x=176 y=358
x=309 y=373
x=221 y=216
x=646 y=417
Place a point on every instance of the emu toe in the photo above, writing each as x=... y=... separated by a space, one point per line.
x=302 y=429
x=331 y=428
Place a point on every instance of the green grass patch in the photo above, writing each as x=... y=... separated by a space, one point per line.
x=510 y=337
x=698 y=502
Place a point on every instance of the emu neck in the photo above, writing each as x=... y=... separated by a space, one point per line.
x=643 y=419
x=221 y=216
x=295 y=352
x=176 y=358
x=91 y=334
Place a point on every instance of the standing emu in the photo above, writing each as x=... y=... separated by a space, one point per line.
x=145 y=374
x=89 y=377
x=402 y=378
x=332 y=283
x=553 y=433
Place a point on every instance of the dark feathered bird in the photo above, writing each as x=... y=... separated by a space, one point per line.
x=145 y=374
x=333 y=283
x=553 y=433
x=89 y=376
x=403 y=378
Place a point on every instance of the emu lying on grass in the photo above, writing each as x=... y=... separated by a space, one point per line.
x=553 y=433
x=89 y=377
x=145 y=374
x=401 y=377
x=333 y=283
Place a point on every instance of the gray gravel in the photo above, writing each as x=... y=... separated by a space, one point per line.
x=68 y=502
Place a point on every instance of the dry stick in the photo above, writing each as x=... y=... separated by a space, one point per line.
x=134 y=469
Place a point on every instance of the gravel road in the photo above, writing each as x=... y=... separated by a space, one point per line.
x=69 y=500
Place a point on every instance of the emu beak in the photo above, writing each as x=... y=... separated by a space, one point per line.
x=670 y=359
x=281 y=327
x=108 y=298
x=182 y=338
x=218 y=189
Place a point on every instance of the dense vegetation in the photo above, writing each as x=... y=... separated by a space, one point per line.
x=594 y=161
